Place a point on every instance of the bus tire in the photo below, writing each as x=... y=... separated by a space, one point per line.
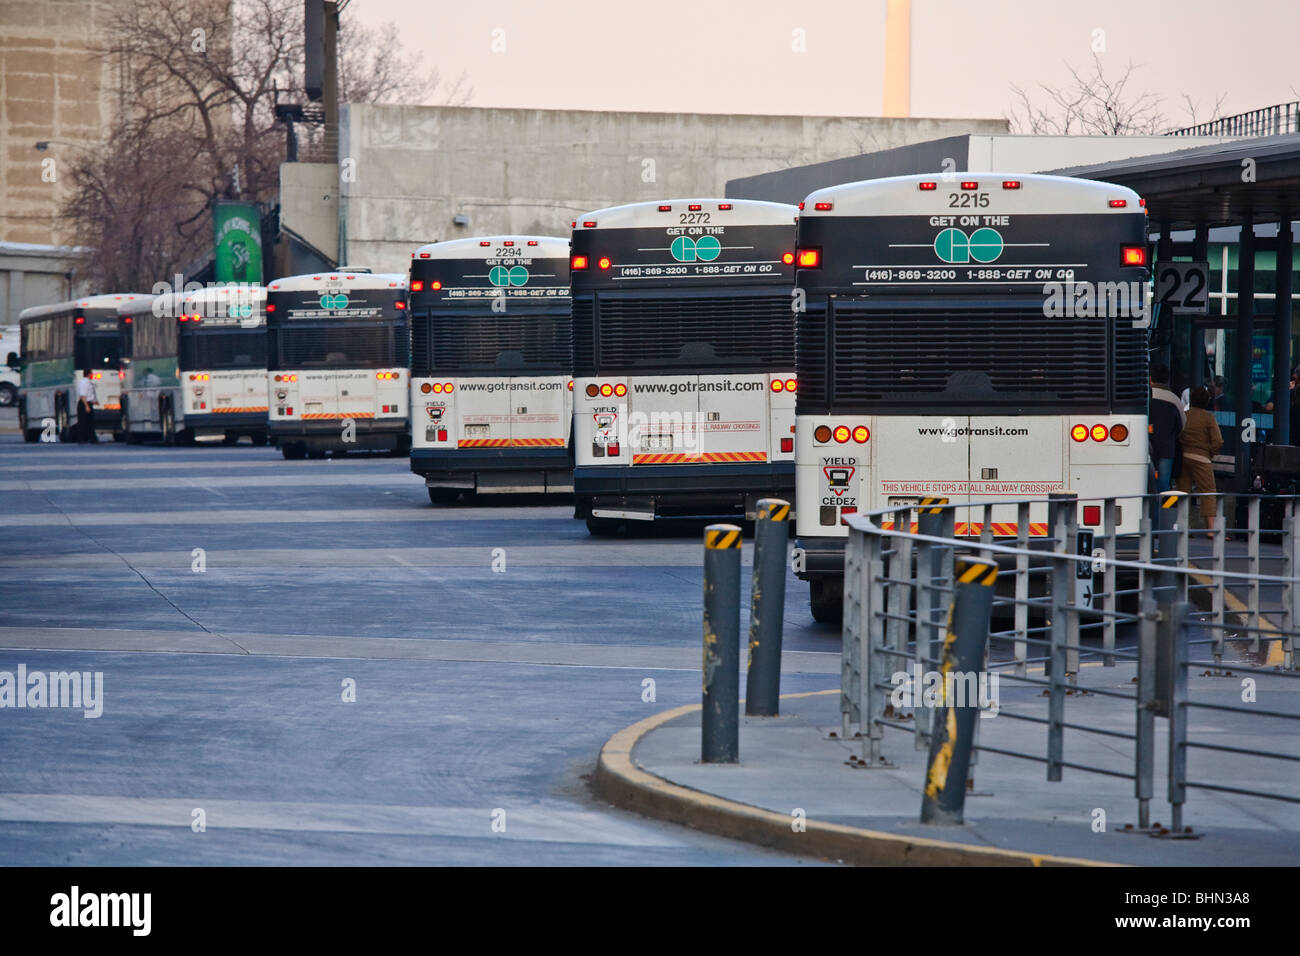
x=293 y=451
x=826 y=599
x=29 y=434
x=444 y=496
x=8 y=395
x=602 y=527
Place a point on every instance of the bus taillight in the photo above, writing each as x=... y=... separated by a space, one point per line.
x=841 y=433
x=603 y=262
x=1079 y=432
x=417 y=285
x=577 y=263
x=788 y=258
x=1099 y=432
x=620 y=389
x=810 y=258
x=1092 y=515
x=790 y=384
x=1134 y=255
x=778 y=385
x=1119 y=433
x=861 y=434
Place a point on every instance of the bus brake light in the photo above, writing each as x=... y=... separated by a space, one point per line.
x=778 y=385
x=81 y=320
x=620 y=389
x=1079 y=432
x=607 y=390
x=603 y=262
x=841 y=434
x=788 y=258
x=417 y=285
x=790 y=384
x=1099 y=432
x=578 y=263
x=861 y=434
x=435 y=285
x=1134 y=255
x=810 y=258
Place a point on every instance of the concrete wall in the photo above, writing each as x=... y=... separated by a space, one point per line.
x=407 y=170
x=309 y=204
x=973 y=153
x=34 y=275
x=53 y=87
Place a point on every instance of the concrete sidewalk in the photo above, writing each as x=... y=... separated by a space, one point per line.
x=1013 y=817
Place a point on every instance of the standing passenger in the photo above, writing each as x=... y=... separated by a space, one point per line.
x=1167 y=418
x=86 y=399
x=1200 y=439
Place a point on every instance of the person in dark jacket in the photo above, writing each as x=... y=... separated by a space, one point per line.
x=1166 y=419
x=1200 y=441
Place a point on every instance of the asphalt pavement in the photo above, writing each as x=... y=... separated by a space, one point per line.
x=306 y=663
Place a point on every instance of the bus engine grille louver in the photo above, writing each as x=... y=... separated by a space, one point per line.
x=498 y=342
x=982 y=358
x=218 y=350
x=306 y=347
x=733 y=332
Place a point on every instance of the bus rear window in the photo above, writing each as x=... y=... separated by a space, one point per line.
x=311 y=346
x=233 y=349
x=99 y=350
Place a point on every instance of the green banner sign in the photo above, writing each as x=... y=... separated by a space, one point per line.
x=237 y=228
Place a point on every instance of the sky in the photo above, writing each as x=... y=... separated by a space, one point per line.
x=739 y=56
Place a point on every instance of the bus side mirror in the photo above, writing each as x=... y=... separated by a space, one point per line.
x=13 y=361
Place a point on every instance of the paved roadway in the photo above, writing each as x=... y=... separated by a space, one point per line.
x=476 y=690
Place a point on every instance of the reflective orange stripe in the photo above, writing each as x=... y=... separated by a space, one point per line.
x=247 y=408
x=706 y=458
x=537 y=442
x=338 y=415
x=482 y=442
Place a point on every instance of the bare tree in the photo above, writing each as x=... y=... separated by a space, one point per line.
x=375 y=68
x=1092 y=104
x=198 y=84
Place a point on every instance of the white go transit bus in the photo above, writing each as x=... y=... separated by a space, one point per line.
x=337 y=356
x=979 y=337
x=683 y=350
x=61 y=341
x=196 y=365
x=491 y=388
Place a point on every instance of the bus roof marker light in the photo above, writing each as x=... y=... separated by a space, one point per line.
x=508 y=242
x=822 y=206
x=724 y=206
x=589 y=224
x=532 y=242
x=1010 y=184
x=694 y=207
x=1118 y=203
x=970 y=184
x=665 y=208
x=927 y=187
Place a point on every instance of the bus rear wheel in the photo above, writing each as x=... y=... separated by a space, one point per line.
x=8 y=395
x=826 y=599
x=602 y=527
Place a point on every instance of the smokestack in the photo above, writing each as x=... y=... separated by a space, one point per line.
x=898 y=58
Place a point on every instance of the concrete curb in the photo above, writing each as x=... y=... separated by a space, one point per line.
x=623 y=783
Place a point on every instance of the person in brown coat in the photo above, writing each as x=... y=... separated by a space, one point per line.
x=1200 y=440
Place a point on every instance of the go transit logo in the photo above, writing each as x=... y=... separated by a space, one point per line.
x=703 y=249
x=982 y=245
x=334 y=300
x=503 y=275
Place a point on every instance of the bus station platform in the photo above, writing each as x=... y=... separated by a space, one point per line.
x=1013 y=816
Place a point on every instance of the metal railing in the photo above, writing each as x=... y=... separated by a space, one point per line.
x=1274 y=120
x=1162 y=602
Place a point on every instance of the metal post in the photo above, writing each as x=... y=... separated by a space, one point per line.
x=1252 y=570
x=767 y=608
x=720 y=738
x=1061 y=509
x=877 y=664
x=929 y=606
x=1281 y=434
x=1181 y=530
x=1022 y=587
x=1110 y=602
x=856 y=614
x=954 y=724
x=1177 y=660
x=1144 y=747
x=1291 y=590
x=1244 y=356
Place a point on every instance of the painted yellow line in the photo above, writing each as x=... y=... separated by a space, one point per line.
x=621 y=781
x=1235 y=604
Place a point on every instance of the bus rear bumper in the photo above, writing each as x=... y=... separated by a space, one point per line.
x=496 y=471
x=327 y=434
x=648 y=492
x=215 y=423
x=821 y=558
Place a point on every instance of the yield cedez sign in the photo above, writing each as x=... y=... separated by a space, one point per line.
x=838 y=474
